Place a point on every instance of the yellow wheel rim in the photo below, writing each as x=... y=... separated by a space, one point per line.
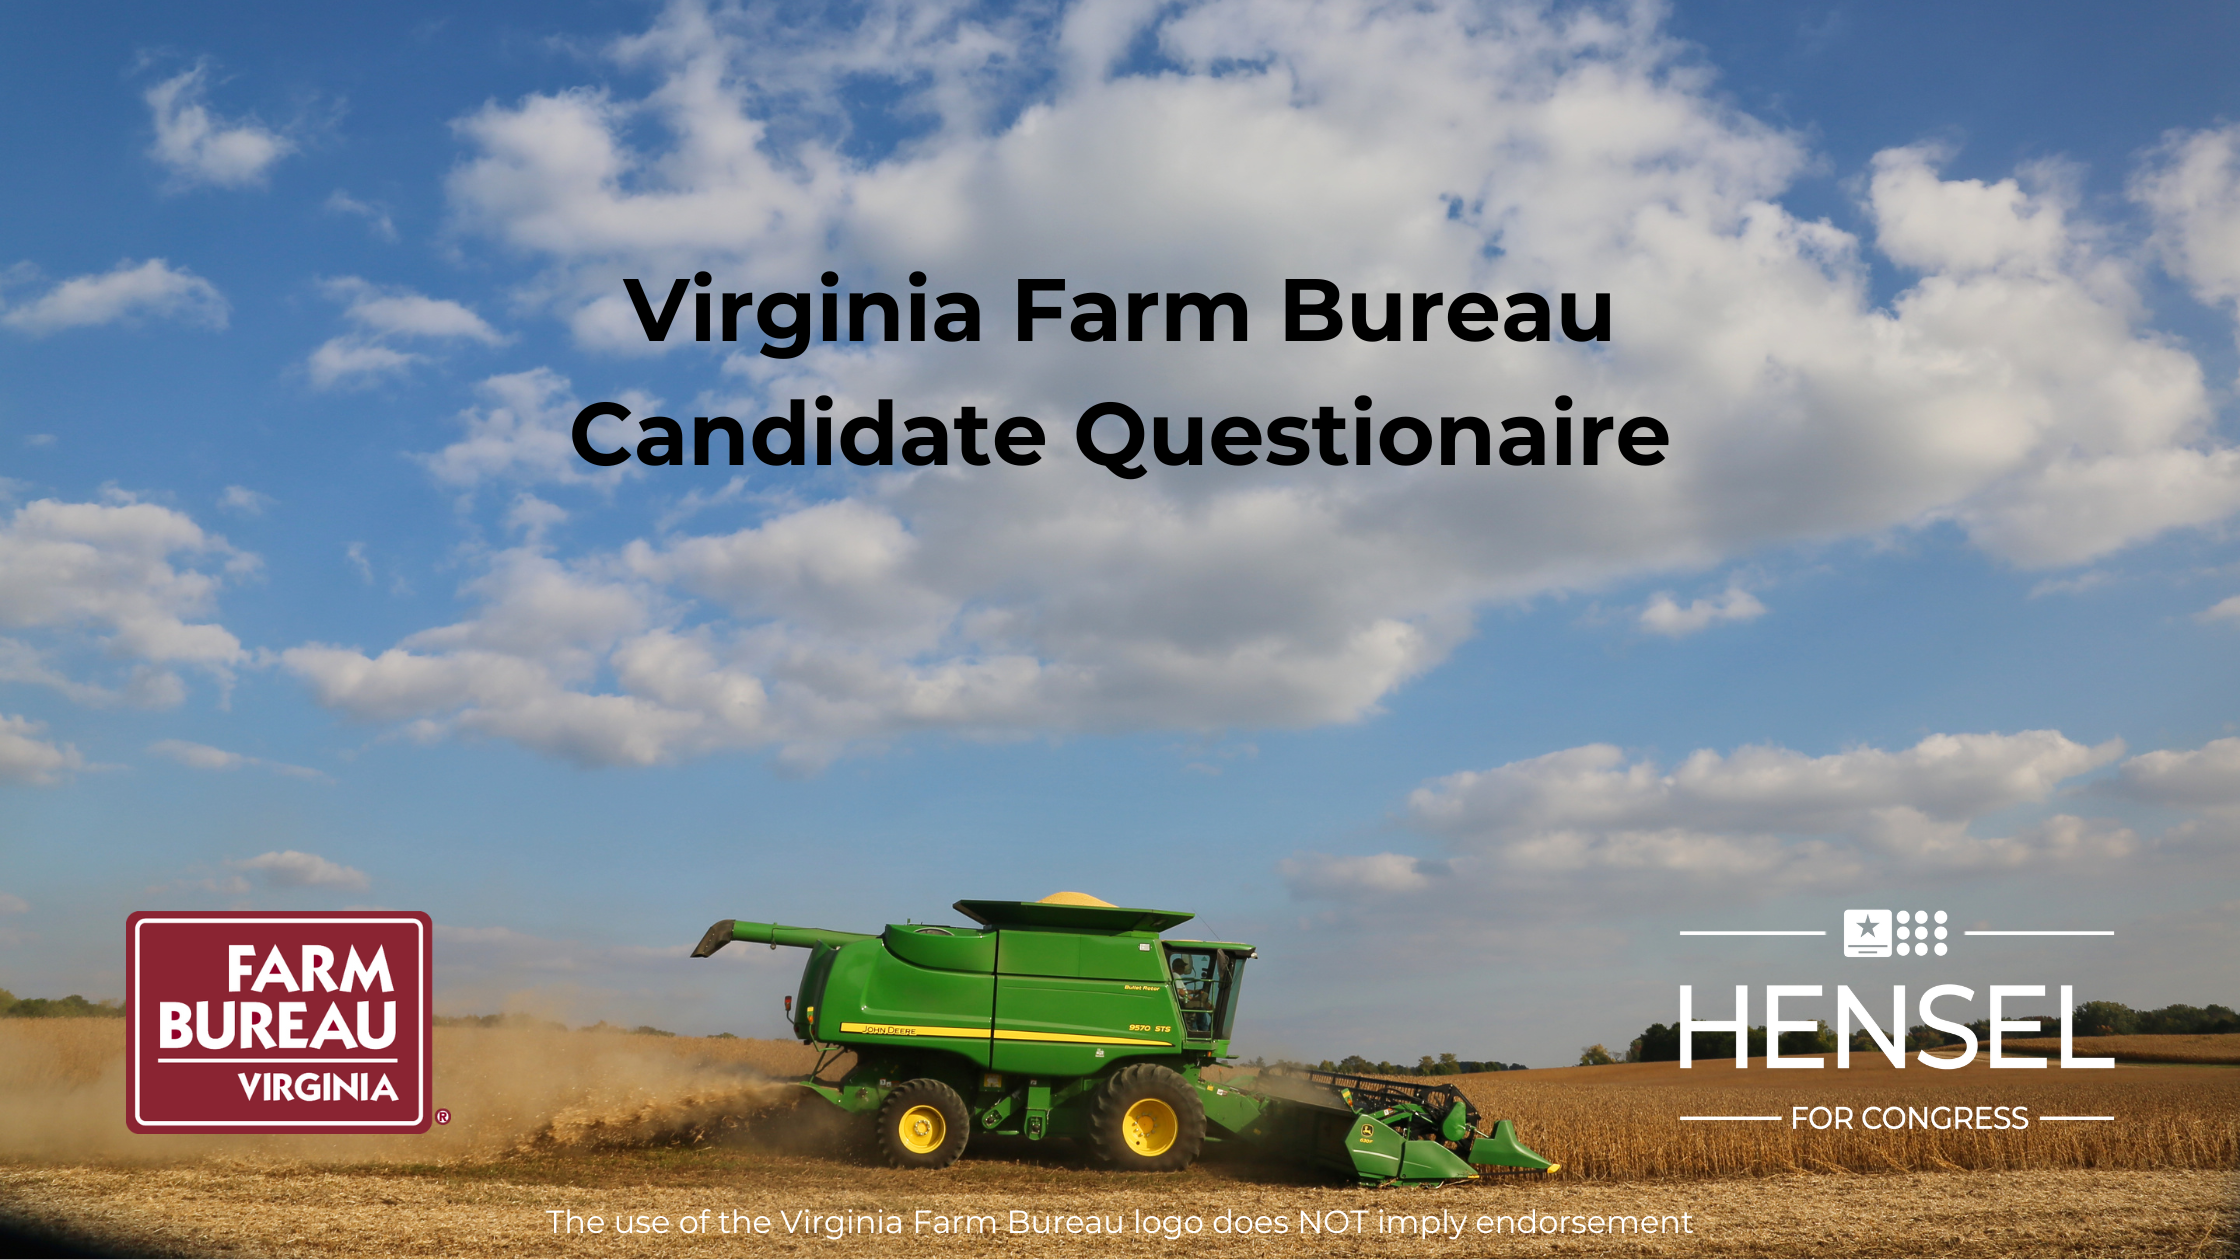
x=1149 y=1128
x=923 y=1129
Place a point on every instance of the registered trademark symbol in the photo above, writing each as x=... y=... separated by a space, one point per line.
x=443 y=1115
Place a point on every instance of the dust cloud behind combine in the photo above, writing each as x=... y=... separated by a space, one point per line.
x=509 y=1090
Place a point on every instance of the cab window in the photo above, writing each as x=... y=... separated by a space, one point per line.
x=1199 y=976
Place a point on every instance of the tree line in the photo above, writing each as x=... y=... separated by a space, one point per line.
x=1428 y=1065
x=72 y=1007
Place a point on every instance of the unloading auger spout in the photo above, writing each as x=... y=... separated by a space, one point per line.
x=1071 y=1017
x=771 y=934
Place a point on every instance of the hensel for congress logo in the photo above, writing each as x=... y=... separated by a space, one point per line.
x=1873 y=934
x=277 y=1022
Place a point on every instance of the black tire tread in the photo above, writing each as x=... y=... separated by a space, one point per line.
x=1122 y=1090
x=916 y=1093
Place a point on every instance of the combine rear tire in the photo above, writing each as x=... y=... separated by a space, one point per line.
x=1146 y=1118
x=923 y=1125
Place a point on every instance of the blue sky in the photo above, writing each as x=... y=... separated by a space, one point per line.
x=304 y=600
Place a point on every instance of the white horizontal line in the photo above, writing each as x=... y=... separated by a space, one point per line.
x=276 y=1061
x=2037 y=934
x=2076 y=1117
x=1746 y=1117
x=1753 y=932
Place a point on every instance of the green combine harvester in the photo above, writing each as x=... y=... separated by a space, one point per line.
x=1070 y=1017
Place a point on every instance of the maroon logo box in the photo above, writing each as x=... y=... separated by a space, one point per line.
x=278 y=1021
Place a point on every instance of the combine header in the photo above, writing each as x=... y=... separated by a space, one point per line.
x=1071 y=1017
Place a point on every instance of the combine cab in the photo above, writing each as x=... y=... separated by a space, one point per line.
x=1073 y=1018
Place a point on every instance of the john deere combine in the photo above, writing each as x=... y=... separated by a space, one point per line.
x=1070 y=1017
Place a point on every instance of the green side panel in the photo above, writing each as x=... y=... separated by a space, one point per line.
x=1066 y=1027
x=892 y=991
x=1374 y=1149
x=950 y=949
x=1044 y=1058
x=1502 y=1150
x=1457 y=1124
x=1429 y=1161
x=810 y=994
x=1024 y=952
x=872 y=998
x=1239 y=1114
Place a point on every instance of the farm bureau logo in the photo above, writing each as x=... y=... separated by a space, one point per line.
x=278 y=1022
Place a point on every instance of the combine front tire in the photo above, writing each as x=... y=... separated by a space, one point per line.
x=1146 y=1118
x=923 y=1125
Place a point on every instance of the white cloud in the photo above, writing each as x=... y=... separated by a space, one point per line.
x=522 y=432
x=144 y=686
x=127 y=291
x=198 y=756
x=1758 y=787
x=531 y=517
x=1546 y=836
x=2077 y=585
x=201 y=147
x=2222 y=610
x=376 y=217
x=1666 y=616
x=25 y=758
x=2208 y=776
x=114 y=570
x=2192 y=188
x=2013 y=389
x=204 y=757
x=384 y=316
x=12 y=904
x=109 y=566
x=243 y=499
x=508 y=673
x=1321 y=875
x=1773 y=816
x=837 y=631
x=354 y=360
x=289 y=868
x=400 y=312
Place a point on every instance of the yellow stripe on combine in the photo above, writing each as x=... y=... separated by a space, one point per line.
x=1007 y=1034
x=913 y=1030
x=1001 y=1034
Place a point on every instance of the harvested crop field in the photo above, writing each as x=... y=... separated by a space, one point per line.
x=2167 y=1048
x=505 y=1210
x=1622 y=1121
x=608 y=1126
